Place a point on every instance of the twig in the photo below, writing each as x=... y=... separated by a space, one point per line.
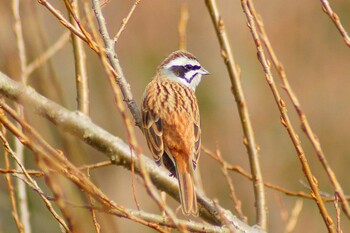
x=131 y=134
x=183 y=26
x=92 y=210
x=292 y=222
x=113 y=147
x=113 y=59
x=26 y=175
x=19 y=225
x=96 y=165
x=49 y=53
x=335 y=18
x=14 y=171
x=24 y=212
x=223 y=217
x=225 y=167
x=302 y=117
x=62 y=20
x=115 y=66
x=126 y=20
x=39 y=173
x=118 y=101
x=284 y=116
x=249 y=139
x=246 y=174
x=81 y=76
x=337 y=209
x=56 y=161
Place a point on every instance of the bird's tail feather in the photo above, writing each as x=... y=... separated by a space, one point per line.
x=187 y=194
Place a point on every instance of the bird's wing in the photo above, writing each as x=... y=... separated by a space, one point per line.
x=197 y=141
x=153 y=131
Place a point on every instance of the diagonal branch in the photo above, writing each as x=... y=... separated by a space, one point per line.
x=285 y=120
x=335 y=18
x=116 y=149
x=237 y=89
x=113 y=59
x=305 y=125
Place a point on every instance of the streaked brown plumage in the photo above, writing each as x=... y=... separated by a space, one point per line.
x=171 y=121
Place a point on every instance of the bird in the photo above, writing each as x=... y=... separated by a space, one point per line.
x=171 y=121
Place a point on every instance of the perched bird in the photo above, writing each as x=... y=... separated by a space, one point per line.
x=171 y=121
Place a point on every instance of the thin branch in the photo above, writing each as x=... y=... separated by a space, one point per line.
x=247 y=175
x=284 y=116
x=22 y=194
x=62 y=20
x=119 y=152
x=118 y=101
x=335 y=18
x=225 y=167
x=182 y=27
x=49 y=53
x=302 y=116
x=337 y=210
x=126 y=20
x=114 y=66
x=237 y=89
x=15 y=215
x=40 y=173
x=292 y=222
x=114 y=61
x=27 y=176
x=81 y=76
x=130 y=129
x=55 y=160
x=92 y=210
x=223 y=217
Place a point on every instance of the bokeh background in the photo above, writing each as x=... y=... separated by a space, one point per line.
x=311 y=49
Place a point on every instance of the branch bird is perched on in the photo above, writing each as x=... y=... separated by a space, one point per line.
x=171 y=121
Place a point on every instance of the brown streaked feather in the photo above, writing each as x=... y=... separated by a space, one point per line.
x=197 y=144
x=153 y=131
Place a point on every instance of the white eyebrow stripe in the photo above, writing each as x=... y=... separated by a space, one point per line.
x=182 y=61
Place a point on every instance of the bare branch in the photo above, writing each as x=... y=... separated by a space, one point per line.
x=49 y=53
x=126 y=20
x=117 y=150
x=24 y=212
x=237 y=89
x=284 y=116
x=182 y=27
x=81 y=76
x=335 y=18
x=11 y=189
x=305 y=125
x=114 y=61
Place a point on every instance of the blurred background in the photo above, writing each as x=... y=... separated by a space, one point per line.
x=313 y=53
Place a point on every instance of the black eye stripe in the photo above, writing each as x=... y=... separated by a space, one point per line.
x=182 y=69
x=191 y=67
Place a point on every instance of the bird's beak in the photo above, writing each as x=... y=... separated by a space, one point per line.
x=203 y=71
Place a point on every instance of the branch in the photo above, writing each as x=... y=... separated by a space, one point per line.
x=237 y=89
x=335 y=18
x=305 y=125
x=246 y=6
x=24 y=212
x=113 y=59
x=116 y=149
x=81 y=76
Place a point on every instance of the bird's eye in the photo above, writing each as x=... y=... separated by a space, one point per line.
x=188 y=67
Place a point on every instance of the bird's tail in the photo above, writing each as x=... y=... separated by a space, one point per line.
x=184 y=172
